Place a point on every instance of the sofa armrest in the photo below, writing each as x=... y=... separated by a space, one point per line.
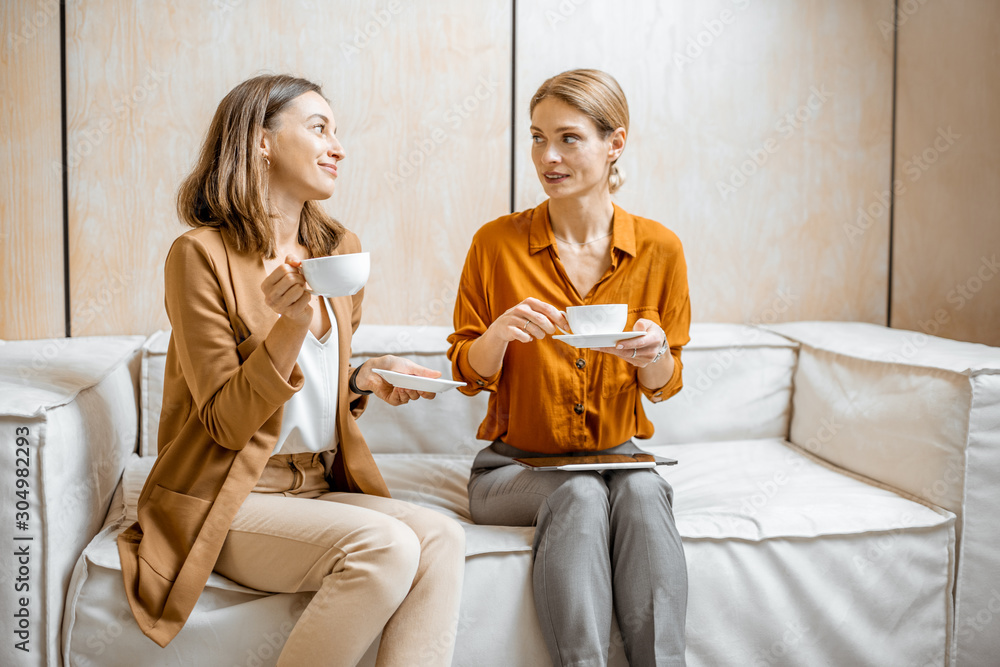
x=921 y=415
x=68 y=423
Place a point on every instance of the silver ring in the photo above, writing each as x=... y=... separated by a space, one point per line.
x=526 y=323
x=634 y=349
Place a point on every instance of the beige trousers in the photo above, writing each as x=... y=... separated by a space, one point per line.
x=376 y=564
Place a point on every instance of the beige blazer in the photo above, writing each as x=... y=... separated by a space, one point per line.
x=222 y=407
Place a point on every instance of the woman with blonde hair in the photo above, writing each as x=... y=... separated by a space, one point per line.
x=603 y=540
x=262 y=473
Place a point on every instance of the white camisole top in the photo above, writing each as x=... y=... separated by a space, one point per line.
x=309 y=422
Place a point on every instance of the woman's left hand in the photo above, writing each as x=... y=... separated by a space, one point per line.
x=641 y=350
x=367 y=380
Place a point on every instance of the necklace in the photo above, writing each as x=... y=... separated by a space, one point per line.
x=583 y=243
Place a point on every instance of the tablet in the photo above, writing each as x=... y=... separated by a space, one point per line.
x=595 y=462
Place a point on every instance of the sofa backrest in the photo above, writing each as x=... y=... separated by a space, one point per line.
x=737 y=385
x=151 y=372
x=445 y=425
x=922 y=415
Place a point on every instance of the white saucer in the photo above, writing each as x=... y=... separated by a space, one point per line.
x=330 y=296
x=416 y=382
x=598 y=340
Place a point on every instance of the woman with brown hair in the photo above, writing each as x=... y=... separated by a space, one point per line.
x=603 y=540
x=262 y=473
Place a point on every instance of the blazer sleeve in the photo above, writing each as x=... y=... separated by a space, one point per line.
x=233 y=399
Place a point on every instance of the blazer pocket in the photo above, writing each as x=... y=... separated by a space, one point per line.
x=170 y=524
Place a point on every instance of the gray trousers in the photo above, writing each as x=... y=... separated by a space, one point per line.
x=602 y=541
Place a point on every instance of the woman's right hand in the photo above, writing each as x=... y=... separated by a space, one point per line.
x=525 y=322
x=285 y=292
x=529 y=320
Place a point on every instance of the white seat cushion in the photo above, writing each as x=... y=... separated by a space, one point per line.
x=816 y=567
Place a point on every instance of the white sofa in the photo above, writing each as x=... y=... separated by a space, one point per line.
x=838 y=493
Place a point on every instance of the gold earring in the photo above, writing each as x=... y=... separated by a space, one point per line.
x=266 y=160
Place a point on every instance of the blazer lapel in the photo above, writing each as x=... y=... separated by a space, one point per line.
x=246 y=273
x=359 y=464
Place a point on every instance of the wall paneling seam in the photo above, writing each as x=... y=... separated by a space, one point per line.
x=513 y=100
x=64 y=170
x=892 y=161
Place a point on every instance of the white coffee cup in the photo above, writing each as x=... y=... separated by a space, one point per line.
x=602 y=318
x=337 y=275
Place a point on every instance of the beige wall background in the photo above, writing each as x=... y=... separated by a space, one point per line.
x=762 y=133
x=32 y=298
x=947 y=221
x=754 y=135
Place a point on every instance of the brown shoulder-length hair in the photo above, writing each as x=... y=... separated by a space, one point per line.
x=228 y=187
x=595 y=94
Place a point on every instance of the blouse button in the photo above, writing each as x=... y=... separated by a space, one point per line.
x=578 y=408
x=580 y=363
x=480 y=383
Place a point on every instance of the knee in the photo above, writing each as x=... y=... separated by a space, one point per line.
x=454 y=536
x=401 y=549
x=388 y=552
x=581 y=495
x=642 y=486
x=443 y=555
x=443 y=535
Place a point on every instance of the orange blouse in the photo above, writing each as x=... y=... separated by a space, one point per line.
x=550 y=397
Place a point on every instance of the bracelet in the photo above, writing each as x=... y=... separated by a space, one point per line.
x=353 y=386
x=659 y=353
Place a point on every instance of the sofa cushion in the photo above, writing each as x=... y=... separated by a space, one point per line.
x=67 y=424
x=814 y=565
x=921 y=414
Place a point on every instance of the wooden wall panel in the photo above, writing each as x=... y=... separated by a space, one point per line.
x=421 y=95
x=710 y=87
x=946 y=267
x=710 y=84
x=32 y=303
